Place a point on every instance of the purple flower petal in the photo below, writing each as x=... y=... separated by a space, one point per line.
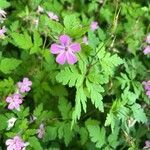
x=75 y=47
x=64 y=40
x=9 y=141
x=147 y=50
x=56 y=49
x=71 y=58
x=61 y=58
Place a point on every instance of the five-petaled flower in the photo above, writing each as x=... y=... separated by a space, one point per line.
x=14 y=101
x=52 y=16
x=94 y=25
x=15 y=144
x=41 y=131
x=25 y=85
x=65 y=50
x=2 y=32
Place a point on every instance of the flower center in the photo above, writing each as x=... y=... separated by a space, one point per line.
x=66 y=48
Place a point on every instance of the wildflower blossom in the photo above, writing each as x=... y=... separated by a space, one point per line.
x=52 y=16
x=15 y=144
x=41 y=131
x=2 y=32
x=11 y=123
x=148 y=39
x=147 y=87
x=146 y=50
x=94 y=25
x=2 y=15
x=147 y=144
x=24 y=86
x=40 y=9
x=14 y=101
x=85 y=40
x=65 y=50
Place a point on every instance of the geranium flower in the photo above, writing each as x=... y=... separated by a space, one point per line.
x=147 y=144
x=24 y=86
x=146 y=50
x=85 y=40
x=14 y=101
x=41 y=131
x=40 y=9
x=65 y=50
x=2 y=32
x=52 y=16
x=15 y=144
x=94 y=25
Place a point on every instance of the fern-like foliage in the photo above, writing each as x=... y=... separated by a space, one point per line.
x=70 y=76
x=96 y=133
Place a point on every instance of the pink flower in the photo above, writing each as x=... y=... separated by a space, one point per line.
x=14 y=101
x=147 y=87
x=85 y=40
x=94 y=25
x=52 y=16
x=2 y=32
x=41 y=131
x=147 y=144
x=148 y=39
x=65 y=50
x=25 y=85
x=15 y=144
x=147 y=50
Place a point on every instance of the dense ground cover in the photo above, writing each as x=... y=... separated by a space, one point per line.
x=74 y=74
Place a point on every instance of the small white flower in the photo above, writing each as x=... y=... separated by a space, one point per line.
x=40 y=9
x=11 y=123
x=2 y=15
x=52 y=16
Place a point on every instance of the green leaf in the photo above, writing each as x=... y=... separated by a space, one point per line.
x=96 y=133
x=7 y=65
x=4 y=4
x=108 y=62
x=38 y=110
x=37 y=43
x=64 y=107
x=80 y=99
x=70 y=76
x=110 y=120
x=34 y=143
x=3 y=122
x=22 y=40
x=50 y=133
x=138 y=113
x=95 y=91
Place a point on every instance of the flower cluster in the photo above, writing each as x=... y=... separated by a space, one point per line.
x=147 y=48
x=147 y=87
x=15 y=100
